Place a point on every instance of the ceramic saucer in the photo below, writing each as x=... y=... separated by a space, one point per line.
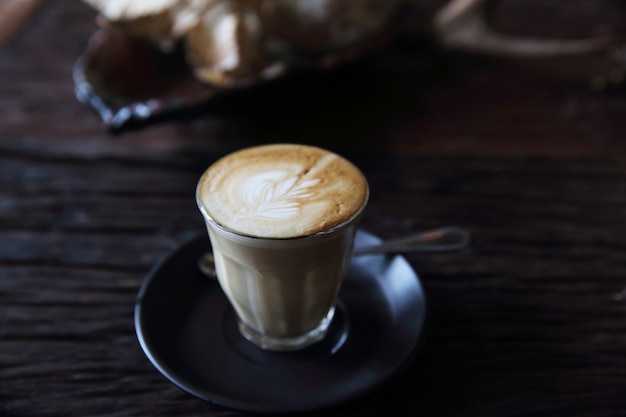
x=188 y=331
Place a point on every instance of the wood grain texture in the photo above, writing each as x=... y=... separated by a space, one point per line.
x=530 y=320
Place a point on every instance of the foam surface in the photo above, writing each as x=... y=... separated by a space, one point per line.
x=282 y=190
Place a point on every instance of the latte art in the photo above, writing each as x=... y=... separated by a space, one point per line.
x=281 y=191
x=273 y=194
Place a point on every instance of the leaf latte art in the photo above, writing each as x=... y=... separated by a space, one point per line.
x=281 y=191
x=273 y=194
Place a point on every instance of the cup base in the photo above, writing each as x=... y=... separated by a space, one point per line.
x=287 y=343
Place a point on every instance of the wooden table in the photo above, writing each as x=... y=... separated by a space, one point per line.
x=530 y=320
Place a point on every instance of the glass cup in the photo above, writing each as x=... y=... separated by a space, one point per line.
x=281 y=266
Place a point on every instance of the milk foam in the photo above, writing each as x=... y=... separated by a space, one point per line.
x=273 y=194
x=282 y=191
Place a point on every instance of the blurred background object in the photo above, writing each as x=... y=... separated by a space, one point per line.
x=13 y=15
x=153 y=58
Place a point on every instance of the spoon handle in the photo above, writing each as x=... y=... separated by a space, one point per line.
x=443 y=239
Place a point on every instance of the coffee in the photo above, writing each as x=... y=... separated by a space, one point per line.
x=282 y=191
x=282 y=220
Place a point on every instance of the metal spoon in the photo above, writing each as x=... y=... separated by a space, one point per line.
x=443 y=239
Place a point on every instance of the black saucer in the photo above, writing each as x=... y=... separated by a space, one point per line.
x=188 y=331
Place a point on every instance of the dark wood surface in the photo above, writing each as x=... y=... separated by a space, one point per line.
x=530 y=320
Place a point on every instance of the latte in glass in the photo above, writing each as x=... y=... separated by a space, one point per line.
x=282 y=219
